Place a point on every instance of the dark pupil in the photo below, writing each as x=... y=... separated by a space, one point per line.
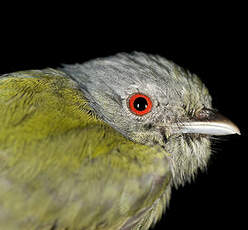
x=140 y=104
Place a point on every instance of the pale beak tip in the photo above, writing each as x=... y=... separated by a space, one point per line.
x=233 y=128
x=237 y=131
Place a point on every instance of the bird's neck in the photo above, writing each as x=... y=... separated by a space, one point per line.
x=187 y=154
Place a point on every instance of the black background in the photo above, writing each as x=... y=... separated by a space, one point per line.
x=209 y=41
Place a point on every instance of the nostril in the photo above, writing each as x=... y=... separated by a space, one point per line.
x=204 y=114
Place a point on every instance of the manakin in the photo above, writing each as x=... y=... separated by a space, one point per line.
x=98 y=146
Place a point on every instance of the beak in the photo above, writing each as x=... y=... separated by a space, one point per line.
x=210 y=123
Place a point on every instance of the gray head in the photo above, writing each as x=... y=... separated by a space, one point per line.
x=152 y=101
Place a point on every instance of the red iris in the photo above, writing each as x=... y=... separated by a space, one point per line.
x=140 y=104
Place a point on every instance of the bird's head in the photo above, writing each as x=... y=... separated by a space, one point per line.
x=152 y=101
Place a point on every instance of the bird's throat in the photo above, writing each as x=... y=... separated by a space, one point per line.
x=187 y=154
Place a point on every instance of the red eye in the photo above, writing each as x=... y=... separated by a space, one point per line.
x=140 y=104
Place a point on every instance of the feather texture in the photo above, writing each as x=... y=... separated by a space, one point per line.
x=63 y=168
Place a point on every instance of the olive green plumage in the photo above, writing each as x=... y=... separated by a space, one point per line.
x=56 y=158
x=65 y=165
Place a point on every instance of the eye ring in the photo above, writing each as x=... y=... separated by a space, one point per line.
x=140 y=104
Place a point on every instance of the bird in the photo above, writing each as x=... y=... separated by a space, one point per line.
x=100 y=145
